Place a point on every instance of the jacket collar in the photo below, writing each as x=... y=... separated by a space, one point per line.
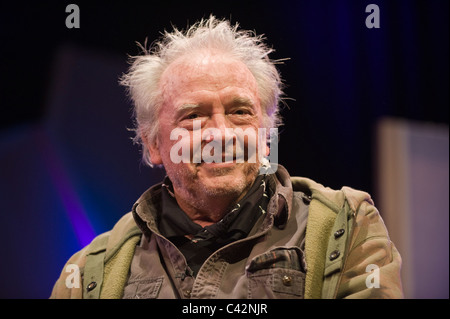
x=281 y=200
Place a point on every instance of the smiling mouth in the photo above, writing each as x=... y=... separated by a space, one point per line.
x=214 y=165
x=223 y=162
x=235 y=159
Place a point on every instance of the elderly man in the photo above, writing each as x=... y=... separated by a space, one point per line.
x=236 y=226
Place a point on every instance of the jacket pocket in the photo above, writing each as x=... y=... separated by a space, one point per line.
x=143 y=289
x=279 y=273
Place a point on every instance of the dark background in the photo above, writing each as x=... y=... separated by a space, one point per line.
x=68 y=167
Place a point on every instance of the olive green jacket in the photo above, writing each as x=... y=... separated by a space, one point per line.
x=347 y=248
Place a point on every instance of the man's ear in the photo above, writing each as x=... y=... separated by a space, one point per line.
x=153 y=150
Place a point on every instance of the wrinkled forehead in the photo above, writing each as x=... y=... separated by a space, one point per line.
x=207 y=71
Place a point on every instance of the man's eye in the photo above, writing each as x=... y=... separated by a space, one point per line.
x=241 y=112
x=192 y=116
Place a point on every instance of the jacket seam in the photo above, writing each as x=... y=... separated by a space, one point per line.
x=346 y=253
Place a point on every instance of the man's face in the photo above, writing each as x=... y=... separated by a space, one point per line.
x=216 y=92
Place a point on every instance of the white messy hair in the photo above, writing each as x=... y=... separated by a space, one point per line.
x=143 y=77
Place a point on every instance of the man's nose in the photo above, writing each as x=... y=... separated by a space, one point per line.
x=220 y=130
x=218 y=123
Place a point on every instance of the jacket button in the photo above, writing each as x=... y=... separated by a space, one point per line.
x=287 y=280
x=339 y=233
x=306 y=199
x=335 y=254
x=91 y=286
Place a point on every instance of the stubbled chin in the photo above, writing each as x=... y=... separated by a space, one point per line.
x=217 y=169
x=199 y=180
x=232 y=170
x=223 y=179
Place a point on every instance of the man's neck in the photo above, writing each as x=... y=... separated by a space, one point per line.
x=208 y=210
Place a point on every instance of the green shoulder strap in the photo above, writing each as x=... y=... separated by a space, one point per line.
x=93 y=269
x=117 y=268
x=320 y=223
x=106 y=268
x=335 y=253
